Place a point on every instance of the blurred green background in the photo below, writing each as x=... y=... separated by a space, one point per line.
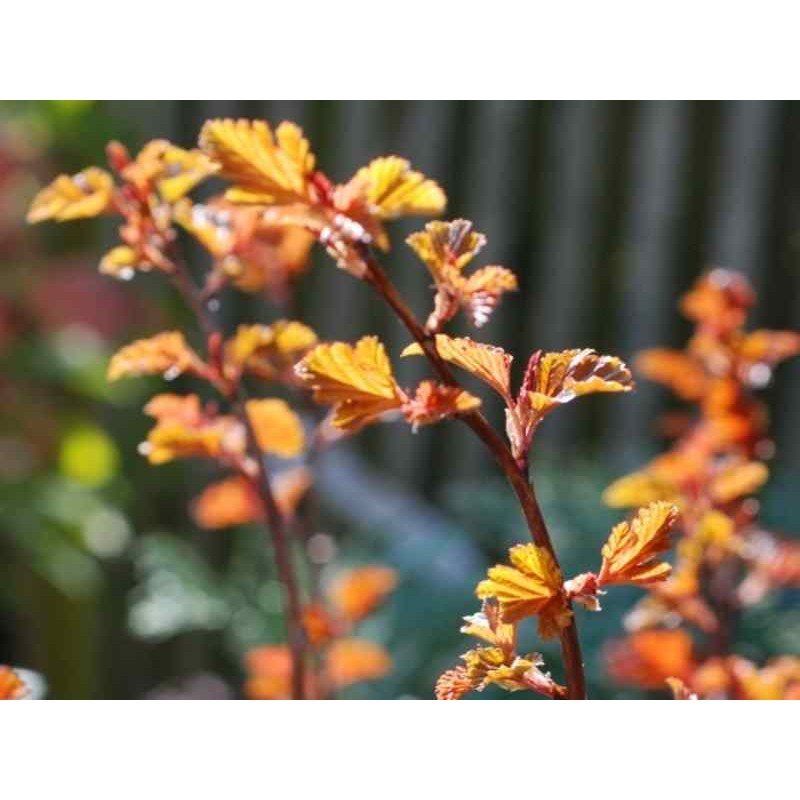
x=607 y=212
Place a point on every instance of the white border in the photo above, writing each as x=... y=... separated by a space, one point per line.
x=415 y=49
x=390 y=749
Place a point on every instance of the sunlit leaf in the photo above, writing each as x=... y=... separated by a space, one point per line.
x=444 y=245
x=629 y=555
x=531 y=586
x=639 y=489
x=350 y=661
x=356 y=380
x=268 y=351
x=278 y=429
x=392 y=189
x=86 y=194
x=648 y=658
x=165 y=353
x=358 y=592
x=486 y=362
x=266 y=168
x=433 y=402
x=557 y=378
x=678 y=371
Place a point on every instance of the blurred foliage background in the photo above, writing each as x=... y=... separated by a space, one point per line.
x=607 y=212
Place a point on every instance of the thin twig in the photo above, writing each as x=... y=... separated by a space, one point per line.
x=275 y=523
x=517 y=477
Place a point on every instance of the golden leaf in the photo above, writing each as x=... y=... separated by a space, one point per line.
x=357 y=593
x=681 y=373
x=356 y=380
x=531 y=586
x=278 y=430
x=350 y=661
x=490 y=364
x=434 y=402
x=69 y=197
x=629 y=555
x=446 y=248
x=738 y=480
x=639 y=489
x=12 y=687
x=392 y=189
x=182 y=170
x=266 y=168
x=166 y=353
x=557 y=378
x=268 y=351
x=444 y=245
x=215 y=438
x=185 y=409
x=119 y=262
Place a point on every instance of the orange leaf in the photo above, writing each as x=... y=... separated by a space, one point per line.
x=166 y=353
x=356 y=380
x=357 y=593
x=630 y=552
x=434 y=402
x=557 y=378
x=678 y=371
x=648 y=658
x=277 y=428
x=350 y=661
x=490 y=364
x=229 y=502
x=12 y=687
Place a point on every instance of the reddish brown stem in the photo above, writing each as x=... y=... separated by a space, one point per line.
x=515 y=473
x=275 y=523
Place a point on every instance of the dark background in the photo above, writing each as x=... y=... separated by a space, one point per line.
x=607 y=211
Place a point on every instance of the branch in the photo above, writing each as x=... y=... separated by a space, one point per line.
x=275 y=523
x=517 y=477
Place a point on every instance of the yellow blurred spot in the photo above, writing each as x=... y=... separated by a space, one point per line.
x=88 y=456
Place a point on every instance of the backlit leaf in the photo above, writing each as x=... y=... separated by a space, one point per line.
x=531 y=586
x=434 y=402
x=350 y=661
x=266 y=168
x=278 y=429
x=358 y=592
x=357 y=380
x=629 y=555
x=392 y=189
x=557 y=378
x=486 y=362
x=68 y=197
x=165 y=353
